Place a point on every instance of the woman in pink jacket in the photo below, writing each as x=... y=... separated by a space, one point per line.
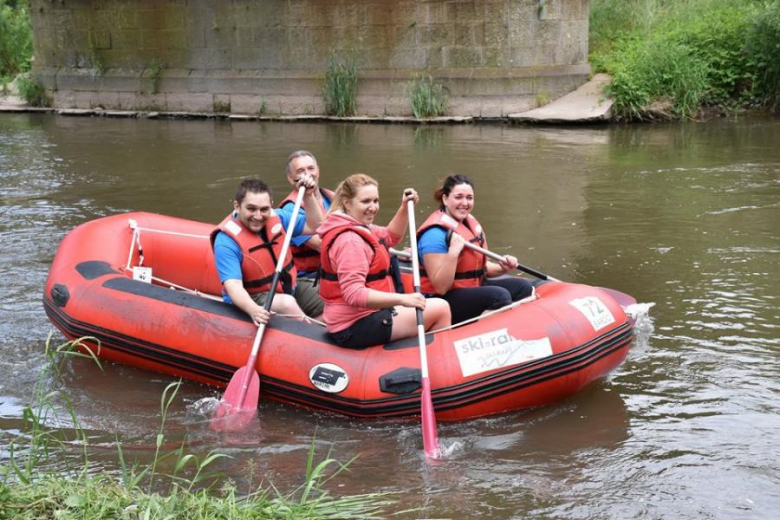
x=361 y=305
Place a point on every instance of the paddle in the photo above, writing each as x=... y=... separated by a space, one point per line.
x=243 y=391
x=500 y=258
x=623 y=299
x=430 y=437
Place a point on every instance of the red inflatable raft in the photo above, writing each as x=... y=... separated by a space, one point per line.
x=144 y=285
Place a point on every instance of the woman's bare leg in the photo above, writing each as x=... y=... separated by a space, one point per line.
x=435 y=316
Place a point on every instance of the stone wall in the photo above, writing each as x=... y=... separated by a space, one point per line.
x=494 y=57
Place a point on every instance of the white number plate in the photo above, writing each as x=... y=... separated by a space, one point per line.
x=142 y=274
x=595 y=311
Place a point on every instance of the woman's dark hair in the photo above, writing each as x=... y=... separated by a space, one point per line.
x=251 y=186
x=447 y=185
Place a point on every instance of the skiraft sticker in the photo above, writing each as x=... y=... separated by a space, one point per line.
x=329 y=377
x=498 y=349
x=595 y=311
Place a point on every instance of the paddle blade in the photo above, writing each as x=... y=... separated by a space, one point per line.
x=233 y=422
x=430 y=436
x=242 y=392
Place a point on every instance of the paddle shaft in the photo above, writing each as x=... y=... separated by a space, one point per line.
x=250 y=364
x=623 y=299
x=499 y=258
x=416 y=284
x=430 y=436
x=490 y=254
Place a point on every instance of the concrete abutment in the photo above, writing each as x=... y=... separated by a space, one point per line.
x=493 y=57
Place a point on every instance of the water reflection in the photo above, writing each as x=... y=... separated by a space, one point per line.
x=684 y=215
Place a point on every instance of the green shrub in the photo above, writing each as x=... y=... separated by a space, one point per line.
x=426 y=97
x=692 y=54
x=32 y=91
x=671 y=73
x=340 y=89
x=763 y=46
x=717 y=39
x=611 y=20
x=15 y=39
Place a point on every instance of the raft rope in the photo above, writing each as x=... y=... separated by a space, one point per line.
x=512 y=305
x=136 y=240
x=406 y=255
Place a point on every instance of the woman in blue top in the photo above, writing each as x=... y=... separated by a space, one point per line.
x=462 y=276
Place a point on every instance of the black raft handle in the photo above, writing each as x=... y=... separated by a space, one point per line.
x=60 y=294
x=401 y=381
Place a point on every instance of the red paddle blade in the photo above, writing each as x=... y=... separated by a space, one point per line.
x=430 y=436
x=245 y=381
x=233 y=422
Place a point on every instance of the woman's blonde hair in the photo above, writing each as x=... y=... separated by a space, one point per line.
x=348 y=189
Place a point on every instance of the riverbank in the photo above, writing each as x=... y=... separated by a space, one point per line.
x=587 y=104
x=15 y=105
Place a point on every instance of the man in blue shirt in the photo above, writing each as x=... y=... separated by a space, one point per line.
x=306 y=248
x=248 y=242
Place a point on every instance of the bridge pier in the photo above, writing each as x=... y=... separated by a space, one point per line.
x=493 y=57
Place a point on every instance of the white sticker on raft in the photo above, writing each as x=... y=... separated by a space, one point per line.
x=498 y=349
x=595 y=311
x=329 y=377
x=142 y=274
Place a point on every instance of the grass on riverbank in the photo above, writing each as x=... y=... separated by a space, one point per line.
x=30 y=489
x=675 y=58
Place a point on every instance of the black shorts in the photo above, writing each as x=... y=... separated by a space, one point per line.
x=374 y=329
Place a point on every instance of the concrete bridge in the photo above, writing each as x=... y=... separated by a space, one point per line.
x=493 y=57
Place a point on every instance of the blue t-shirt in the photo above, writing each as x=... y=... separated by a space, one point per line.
x=228 y=256
x=434 y=240
x=302 y=239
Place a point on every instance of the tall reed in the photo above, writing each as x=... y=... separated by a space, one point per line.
x=340 y=88
x=427 y=97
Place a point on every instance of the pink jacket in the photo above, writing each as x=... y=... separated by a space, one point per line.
x=350 y=256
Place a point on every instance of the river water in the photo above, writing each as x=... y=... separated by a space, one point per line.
x=685 y=216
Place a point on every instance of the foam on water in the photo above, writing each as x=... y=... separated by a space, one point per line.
x=205 y=407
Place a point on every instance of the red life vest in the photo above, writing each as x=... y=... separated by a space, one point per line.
x=378 y=277
x=259 y=256
x=470 y=270
x=306 y=258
